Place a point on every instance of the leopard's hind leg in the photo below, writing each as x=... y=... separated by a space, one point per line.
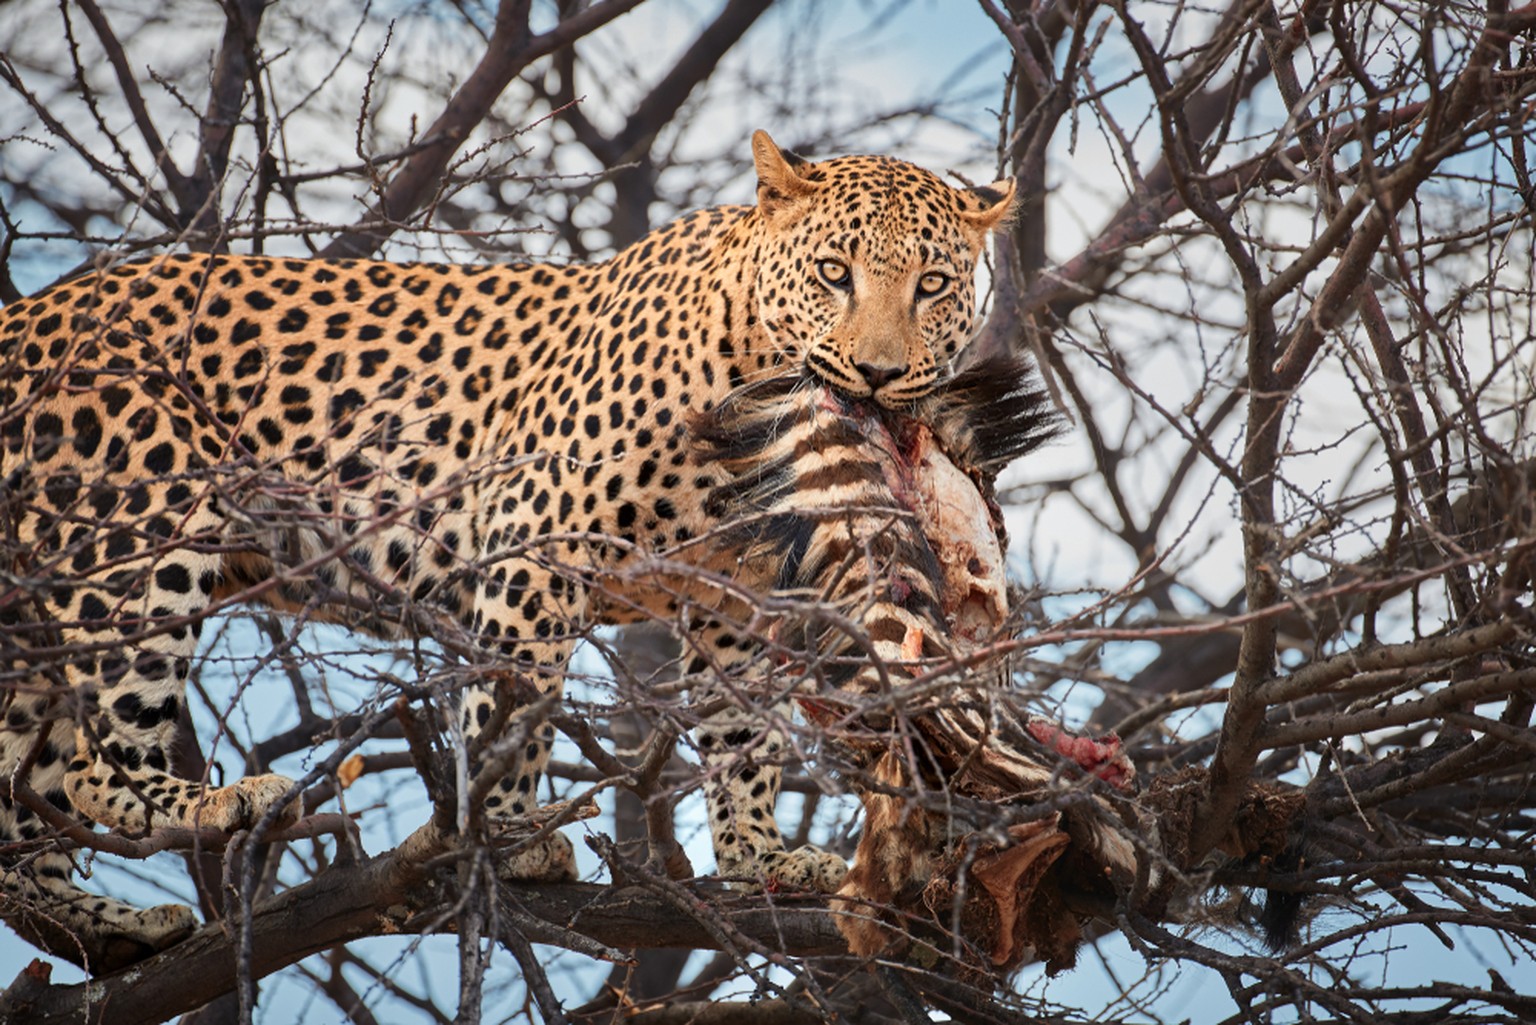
x=37 y=895
x=100 y=934
x=110 y=646
x=134 y=690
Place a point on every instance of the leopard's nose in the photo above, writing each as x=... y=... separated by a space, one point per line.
x=875 y=375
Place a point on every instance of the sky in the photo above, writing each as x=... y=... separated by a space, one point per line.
x=881 y=50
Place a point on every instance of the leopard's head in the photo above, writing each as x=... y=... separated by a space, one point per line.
x=867 y=267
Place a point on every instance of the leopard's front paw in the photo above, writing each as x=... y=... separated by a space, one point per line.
x=246 y=802
x=807 y=868
x=550 y=860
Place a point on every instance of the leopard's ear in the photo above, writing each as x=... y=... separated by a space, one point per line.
x=988 y=206
x=780 y=185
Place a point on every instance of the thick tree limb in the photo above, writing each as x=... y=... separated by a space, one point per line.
x=389 y=895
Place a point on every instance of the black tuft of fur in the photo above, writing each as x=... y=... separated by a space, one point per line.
x=1279 y=919
x=792 y=536
x=992 y=413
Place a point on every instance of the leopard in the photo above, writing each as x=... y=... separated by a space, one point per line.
x=505 y=446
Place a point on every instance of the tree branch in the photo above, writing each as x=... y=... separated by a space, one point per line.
x=508 y=52
x=386 y=896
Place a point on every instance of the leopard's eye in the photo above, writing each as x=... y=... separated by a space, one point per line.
x=931 y=284
x=834 y=273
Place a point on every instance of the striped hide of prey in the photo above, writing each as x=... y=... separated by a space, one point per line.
x=888 y=517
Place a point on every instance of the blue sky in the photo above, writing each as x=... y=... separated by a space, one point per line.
x=879 y=52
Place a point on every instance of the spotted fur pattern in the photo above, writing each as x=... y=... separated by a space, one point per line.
x=494 y=446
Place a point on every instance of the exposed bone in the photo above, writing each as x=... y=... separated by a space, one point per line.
x=960 y=529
